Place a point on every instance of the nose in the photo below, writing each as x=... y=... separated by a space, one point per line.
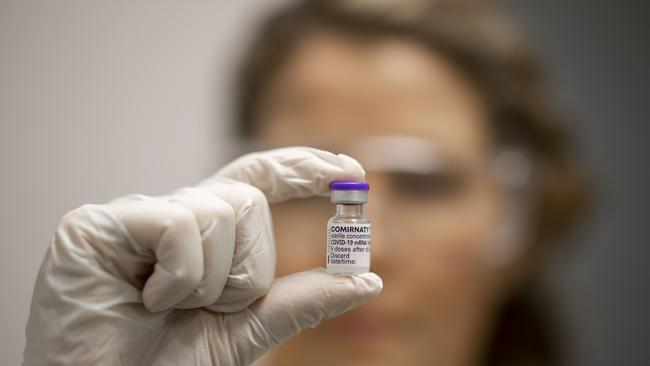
x=387 y=248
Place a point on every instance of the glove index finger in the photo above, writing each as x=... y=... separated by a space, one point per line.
x=293 y=172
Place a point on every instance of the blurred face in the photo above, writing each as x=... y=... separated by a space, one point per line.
x=430 y=229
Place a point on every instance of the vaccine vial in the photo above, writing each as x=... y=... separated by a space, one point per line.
x=348 y=232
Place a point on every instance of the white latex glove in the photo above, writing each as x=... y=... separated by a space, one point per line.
x=179 y=279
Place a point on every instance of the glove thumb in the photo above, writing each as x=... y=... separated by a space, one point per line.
x=300 y=301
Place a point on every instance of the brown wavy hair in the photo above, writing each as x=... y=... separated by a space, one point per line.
x=485 y=46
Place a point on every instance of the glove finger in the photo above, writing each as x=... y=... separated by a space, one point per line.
x=292 y=172
x=171 y=232
x=253 y=263
x=216 y=222
x=297 y=302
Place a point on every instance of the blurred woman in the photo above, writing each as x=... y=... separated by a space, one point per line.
x=472 y=177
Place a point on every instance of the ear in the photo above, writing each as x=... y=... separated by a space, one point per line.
x=510 y=240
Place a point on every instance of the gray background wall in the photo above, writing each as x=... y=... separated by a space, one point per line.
x=100 y=99
x=599 y=54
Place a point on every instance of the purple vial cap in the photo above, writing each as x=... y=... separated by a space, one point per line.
x=349 y=186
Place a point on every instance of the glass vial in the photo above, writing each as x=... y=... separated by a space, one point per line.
x=348 y=232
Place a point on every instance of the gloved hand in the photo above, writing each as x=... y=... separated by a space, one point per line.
x=180 y=279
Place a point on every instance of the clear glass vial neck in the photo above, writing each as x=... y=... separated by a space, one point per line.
x=349 y=209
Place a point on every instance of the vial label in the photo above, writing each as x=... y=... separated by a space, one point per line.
x=348 y=248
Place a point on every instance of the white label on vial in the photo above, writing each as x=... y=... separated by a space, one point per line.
x=348 y=245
